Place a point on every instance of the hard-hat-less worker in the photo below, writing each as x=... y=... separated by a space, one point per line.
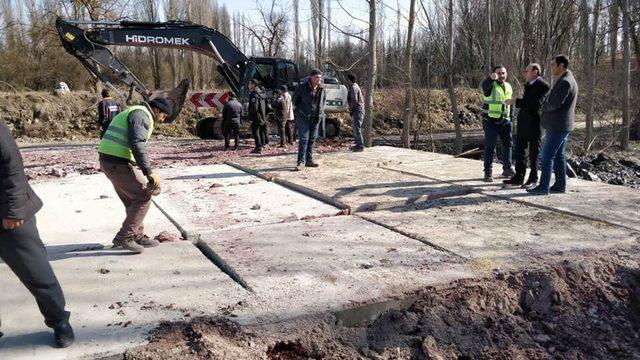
x=20 y=245
x=123 y=149
x=496 y=121
x=108 y=108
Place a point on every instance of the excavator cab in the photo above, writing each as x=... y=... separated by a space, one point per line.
x=271 y=72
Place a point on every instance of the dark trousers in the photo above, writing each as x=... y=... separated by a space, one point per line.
x=533 y=143
x=257 y=134
x=307 y=135
x=229 y=130
x=23 y=251
x=554 y=158
x=131 y=186
x=264 y=134
x=285 y=131
x=491 y=133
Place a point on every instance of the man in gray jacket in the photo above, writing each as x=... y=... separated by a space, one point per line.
x=558 y=115
x=356 y=109
x=309 y=101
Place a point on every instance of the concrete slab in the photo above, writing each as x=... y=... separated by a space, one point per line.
x=85 y=212
x=215 y=197
x=502 y=233
x=355 y=179
x=328 y=264
x=115 y=299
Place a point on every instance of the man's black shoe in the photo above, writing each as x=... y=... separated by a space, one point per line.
x=311 y=163
x=516 y=181
x=64 y=335
x=256 y=151
x=537 y=191
x=531 y=181
x=557 y=190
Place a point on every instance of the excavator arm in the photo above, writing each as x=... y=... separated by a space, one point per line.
x=89 y=44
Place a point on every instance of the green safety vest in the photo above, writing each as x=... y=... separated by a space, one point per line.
x=115 y=141
x=497 y=105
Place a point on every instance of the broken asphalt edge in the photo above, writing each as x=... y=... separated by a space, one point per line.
x=295 y=187
x=206 y=250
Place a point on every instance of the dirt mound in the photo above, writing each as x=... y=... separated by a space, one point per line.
x=610 y=168
x=584 y=307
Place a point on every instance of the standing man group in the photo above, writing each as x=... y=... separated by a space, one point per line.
x=124 y=159
x=356 y=109
x=308 y=101
x=558 y=115
x=108 y=108
x=528 y=130
x=496 y=120
x=258 y=115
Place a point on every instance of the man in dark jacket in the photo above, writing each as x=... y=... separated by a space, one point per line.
x=528 y=132
x=108 y=108
x=558 y=115
x=231 y=113
x=258 y=115
x=124 y=159
x=308 y=101
x=496 y=121
x=20 y=245
x=282 y=108
x=356 y=109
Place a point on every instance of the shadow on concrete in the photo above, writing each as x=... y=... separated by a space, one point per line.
x=209 y=176
x=40 y=338
x=79 y=254
x=66 y=248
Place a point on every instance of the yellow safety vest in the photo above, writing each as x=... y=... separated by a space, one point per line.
x=496 y=106
x=115 y=141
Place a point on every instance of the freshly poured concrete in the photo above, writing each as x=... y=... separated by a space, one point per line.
x=163 y=283
x=328 y=264
x=215 y=197
x=505 y=233
x=85 y=212
x=358 y=180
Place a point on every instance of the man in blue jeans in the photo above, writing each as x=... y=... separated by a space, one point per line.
x=356 y=109
x=308 y=101
x=496 y=121
x=558 y=114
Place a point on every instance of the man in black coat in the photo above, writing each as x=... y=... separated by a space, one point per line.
x=231 y=115
x=20 y=245
x=258 y=115
x=528 y=130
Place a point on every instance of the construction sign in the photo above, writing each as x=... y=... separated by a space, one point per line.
x=208 y=100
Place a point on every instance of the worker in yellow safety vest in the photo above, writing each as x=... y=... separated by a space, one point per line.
x=496 y=121
x=124 y=159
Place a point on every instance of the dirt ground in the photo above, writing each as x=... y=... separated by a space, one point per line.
x=580 y=307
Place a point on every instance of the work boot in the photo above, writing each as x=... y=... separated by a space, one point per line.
x=531 y=181
x=515 y=180
x=128 y=244
x=257 y=150
x=537 y=191
x=557 y=190
x=147 y=242
x=64 y=335
x=508 y=173
x=311 y=163
x=299 y=167
x=357 y=149
x=281 y=145
x=488 y=178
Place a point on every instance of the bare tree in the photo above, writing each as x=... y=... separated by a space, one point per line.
x=408 y=61
x=372 y=72
x=271 y=32
x=589 y=60
x=296 y=33
x=489 y=40
x=614 y=20
x=626 y=76
x=450 y=85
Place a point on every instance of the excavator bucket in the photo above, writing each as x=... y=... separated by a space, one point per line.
x=175 y=96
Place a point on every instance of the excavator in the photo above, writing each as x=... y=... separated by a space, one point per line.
x=89 y=42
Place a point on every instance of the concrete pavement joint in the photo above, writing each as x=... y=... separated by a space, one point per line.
x=414 y=237
x=295 y=187
x=521 y=202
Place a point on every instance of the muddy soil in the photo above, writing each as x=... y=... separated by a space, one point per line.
x=584 y=306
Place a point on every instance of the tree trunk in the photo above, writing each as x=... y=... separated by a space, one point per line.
x=452 y=91
x=614 y=19
x=372 y=70
x=487 y=59
x=408 y=60
x=589 y=59
x=296 y=31
x=626 y=76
